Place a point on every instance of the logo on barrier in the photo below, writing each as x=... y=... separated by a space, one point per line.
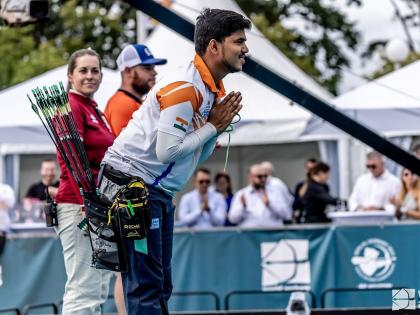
x=374 y=260
x=285 y=264
x=403 y=299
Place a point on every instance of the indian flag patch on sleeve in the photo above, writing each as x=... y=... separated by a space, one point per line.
x=181 y=124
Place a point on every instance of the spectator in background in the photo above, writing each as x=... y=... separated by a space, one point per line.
x=7 y=200
x=137 y=66
x=407 y=202
x=202 y=208
x=222 y=185
x=276 y=183
x=298 y=192
x=38 y=191
x=258 y=204
x=32 y=209
x=375 y=189
x=315 y=194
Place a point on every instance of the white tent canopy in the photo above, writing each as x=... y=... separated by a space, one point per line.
x=21 y=130
x=389 y=105
x=15 y=109
x=267 y=116
x=398 y=89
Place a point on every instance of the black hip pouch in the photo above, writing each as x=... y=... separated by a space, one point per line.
x=131 y=210
x=50 y=210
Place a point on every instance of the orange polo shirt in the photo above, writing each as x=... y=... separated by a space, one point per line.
x=120 y=108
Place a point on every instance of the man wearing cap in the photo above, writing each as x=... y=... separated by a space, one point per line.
x=137 y=66
x=174 y=130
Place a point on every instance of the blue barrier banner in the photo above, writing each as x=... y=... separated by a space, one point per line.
x=366 y=260
x=226 y=261
x=33 y=270
x=374 y=257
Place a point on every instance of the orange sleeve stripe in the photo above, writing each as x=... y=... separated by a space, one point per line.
x=170 y=87
x=187 y=94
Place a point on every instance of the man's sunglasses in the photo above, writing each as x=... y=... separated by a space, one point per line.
x=261 y=176
x=204 y=181
x=371 y=166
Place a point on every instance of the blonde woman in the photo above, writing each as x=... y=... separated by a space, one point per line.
x=408 y=201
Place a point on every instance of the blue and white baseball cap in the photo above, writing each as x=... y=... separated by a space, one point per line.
x=134 y=55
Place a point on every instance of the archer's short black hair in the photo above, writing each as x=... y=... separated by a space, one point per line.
x=217 y=24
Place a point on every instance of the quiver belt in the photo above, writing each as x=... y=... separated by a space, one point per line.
x=131 y=210
x=107 y=248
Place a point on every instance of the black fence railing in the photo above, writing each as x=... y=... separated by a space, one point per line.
x=211 y=294
x=259 y=292
x=10 y=310
x=26 y=310
x=339 y=290
x=227 y=302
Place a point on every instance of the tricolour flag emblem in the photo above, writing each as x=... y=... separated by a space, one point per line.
x=181 y=124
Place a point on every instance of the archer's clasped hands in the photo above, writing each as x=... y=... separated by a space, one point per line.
x=222 y=113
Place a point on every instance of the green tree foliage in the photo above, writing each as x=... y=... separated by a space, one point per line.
x=407 y=12
x=73 y=24
x=389 y=66
x=319 y=49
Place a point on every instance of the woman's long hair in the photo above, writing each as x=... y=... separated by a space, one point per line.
x=319 y=167
x=404 y=189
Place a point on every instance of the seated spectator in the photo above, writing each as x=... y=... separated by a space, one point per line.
x=259 y=205
x=375 y=189
x=202 y=208
x=7 y=200
x=316 y=195
x=298 y=192
x=48 y=182
x=407 y=201
x=222 y=185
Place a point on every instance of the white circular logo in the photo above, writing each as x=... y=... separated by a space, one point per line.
x=374 y=260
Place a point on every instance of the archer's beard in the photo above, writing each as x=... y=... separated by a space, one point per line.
x=141 y=89
x=230 y=67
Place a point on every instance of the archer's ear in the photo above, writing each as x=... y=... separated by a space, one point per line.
x=70 y=79
x=214 y=46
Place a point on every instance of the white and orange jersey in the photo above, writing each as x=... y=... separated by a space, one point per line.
x=177 y=105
